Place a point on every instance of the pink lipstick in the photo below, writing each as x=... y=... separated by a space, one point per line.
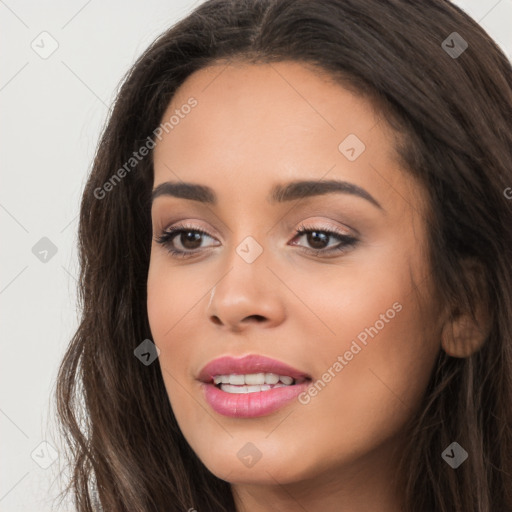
x=250 y=386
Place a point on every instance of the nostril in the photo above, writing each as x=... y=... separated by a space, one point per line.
x=258 y=318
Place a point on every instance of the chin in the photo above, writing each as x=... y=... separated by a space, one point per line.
x=260 y=462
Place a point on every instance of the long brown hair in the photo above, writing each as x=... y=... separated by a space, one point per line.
x=454 y=115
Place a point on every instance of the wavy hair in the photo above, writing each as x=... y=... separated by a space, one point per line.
x=453 y=116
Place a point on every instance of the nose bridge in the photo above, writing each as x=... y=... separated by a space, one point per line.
x=249 y=237
x=245 y=291
x=246 y=270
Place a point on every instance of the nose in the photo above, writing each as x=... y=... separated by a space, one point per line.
x=248 y=294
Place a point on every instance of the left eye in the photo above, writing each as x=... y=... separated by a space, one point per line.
x=319 y=239
x=190 y=238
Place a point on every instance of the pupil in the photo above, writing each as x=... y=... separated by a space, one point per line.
x=192 y=237
x=313 y=239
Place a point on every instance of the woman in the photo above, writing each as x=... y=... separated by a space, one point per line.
x=295 y=267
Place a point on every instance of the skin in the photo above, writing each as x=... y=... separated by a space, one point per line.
x=256 y=126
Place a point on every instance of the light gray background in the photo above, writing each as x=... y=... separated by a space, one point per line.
x=52 y=112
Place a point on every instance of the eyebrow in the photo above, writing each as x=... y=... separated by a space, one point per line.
x=279 y=193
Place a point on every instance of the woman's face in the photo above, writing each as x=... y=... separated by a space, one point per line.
x=356 y=329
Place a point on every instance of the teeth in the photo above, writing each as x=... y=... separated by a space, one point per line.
x=237 y=380
x=228 y=388
x=252 y=380
x=271 y=378
x=255 y=378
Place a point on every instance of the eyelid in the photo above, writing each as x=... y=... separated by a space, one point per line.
x=318 y=225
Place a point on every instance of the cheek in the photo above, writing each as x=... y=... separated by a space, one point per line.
x=160 y=303
x=381 y=362
x=173 y=296
x=374 y=362
x=167 y=306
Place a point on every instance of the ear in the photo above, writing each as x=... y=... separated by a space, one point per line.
x=465 y=331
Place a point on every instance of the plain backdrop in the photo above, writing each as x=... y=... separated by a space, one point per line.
x=61 y=64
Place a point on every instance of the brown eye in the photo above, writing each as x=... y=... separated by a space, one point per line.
x=189 y=239
x=318 y=240
x=182 y=240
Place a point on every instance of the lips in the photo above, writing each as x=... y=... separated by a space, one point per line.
x=248 y=365
x=226 y=391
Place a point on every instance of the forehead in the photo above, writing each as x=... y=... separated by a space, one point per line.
x=259 y=124
x=269 y=105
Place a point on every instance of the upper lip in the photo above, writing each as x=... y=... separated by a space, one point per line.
x=252 y=363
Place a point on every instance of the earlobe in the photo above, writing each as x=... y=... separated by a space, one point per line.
x=464 y=333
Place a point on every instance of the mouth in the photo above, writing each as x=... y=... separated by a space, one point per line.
x=250 y=386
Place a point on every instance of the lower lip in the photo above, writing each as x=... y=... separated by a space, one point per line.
x=251 y=405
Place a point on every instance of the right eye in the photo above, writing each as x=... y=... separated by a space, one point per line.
x=188 y=237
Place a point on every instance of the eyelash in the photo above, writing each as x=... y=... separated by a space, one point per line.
x=346 y=241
